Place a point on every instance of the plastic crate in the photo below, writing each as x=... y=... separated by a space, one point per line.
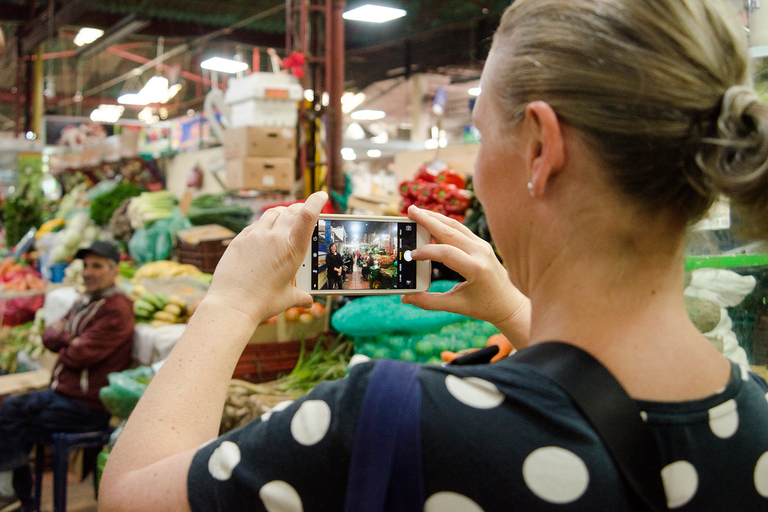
x=204 y=255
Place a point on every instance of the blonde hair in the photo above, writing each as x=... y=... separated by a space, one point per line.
x=660 y=89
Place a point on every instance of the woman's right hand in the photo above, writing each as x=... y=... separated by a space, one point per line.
x=487 y=294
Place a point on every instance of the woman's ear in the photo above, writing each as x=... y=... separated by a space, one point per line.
x=545 y=153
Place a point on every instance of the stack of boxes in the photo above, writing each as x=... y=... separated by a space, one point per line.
x=260 y=147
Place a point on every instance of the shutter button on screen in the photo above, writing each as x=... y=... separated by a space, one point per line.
x=407 y=256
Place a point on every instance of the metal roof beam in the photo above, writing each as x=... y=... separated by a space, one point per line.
x=38 y=29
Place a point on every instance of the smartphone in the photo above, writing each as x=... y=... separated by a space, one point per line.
x=364 y=255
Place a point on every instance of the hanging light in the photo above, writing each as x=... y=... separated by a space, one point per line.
x=374 y=13
x=87 y=36
x=224 y=65
x=107 y=113
x=367 y=115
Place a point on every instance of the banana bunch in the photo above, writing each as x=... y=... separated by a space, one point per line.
x=166 y=268
x=159 y=309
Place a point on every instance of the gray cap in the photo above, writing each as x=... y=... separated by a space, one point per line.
x=99 y=248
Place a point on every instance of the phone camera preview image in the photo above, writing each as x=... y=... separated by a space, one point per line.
x=363 y=255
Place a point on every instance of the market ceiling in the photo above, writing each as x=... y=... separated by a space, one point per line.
x=446 y=36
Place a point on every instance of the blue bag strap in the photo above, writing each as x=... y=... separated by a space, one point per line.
x=386 y=465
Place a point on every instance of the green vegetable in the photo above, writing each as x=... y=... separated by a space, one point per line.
x=105 y=205
x=151 y=206
x=21 y=212
x=210 y=209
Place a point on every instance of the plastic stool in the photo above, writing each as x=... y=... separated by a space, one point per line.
x=61 y=444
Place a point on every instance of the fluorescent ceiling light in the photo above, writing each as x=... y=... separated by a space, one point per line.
x=381 y=138
x=348 y=154
x=374 y=13
x=148 y=115
x=155 y=90
x=355 y=132
x=107 y=113
x=367 y=115
x=87 y=36
x=374 y=153
x=131 y=99
x=475 y=91
x=224 y=65
x=350 y=101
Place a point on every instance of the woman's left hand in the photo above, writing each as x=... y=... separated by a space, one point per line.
x=487 y=294
x=255 y=275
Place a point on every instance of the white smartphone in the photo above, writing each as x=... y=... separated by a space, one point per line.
x=364 y=255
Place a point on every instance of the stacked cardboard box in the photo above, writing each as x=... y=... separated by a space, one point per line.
x=260 y=157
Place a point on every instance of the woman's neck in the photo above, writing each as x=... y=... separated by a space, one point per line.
x=622 y=300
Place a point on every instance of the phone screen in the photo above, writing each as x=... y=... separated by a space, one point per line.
x=363 y=255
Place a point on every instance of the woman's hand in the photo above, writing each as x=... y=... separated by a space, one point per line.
x=487 y=294
x=255 y=275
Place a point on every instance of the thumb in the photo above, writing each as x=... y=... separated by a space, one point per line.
x=308 y=215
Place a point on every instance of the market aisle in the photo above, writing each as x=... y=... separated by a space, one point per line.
x=355 y=281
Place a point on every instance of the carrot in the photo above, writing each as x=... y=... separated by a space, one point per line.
x=505 y=347
x=16 y=285
x=5 y=265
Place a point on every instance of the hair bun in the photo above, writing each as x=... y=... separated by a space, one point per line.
x=740 y=169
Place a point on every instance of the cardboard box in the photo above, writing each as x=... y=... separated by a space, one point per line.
x=260 y=141
x=254 y=173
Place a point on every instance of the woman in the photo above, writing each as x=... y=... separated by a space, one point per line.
x=608 y=127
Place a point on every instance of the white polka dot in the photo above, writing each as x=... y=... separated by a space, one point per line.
x=279 y=496
x=724 y=419
x=357 y=359
x=474 y=392
x=223 y=460
x=681 y=481
x=277 y=408
x=311 y=422
x=555 y=474
x=766 y=397
x=761 y=475
x=450 y=502
x=744 y=372
x=644 y=415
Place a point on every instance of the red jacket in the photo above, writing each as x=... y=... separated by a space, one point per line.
x=104 y=325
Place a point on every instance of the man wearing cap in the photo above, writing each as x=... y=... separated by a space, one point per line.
x=93 y=339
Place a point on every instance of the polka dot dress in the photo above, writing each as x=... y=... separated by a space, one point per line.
x=495 y=438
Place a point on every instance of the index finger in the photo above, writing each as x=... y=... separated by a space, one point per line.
x=443 y=228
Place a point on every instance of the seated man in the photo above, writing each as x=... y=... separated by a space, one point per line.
x=94 y=338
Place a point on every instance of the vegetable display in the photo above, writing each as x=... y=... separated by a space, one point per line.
x=439 y=191
x=21 y=212
x=104 y=206
x=15 y=277
x=159 y=310
x=151 y=206
x=210 y=209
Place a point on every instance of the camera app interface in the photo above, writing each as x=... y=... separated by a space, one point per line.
x=357 y=255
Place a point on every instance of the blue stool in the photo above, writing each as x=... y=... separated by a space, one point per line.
x=61 y=444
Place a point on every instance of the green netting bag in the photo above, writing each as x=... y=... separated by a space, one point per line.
x=383 y=327
x=125 y=388
x=369 y=316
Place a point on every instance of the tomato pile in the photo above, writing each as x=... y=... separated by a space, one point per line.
x=442 y=192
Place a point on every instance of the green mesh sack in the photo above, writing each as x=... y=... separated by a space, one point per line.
x=369 y=316
x=383 y=327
